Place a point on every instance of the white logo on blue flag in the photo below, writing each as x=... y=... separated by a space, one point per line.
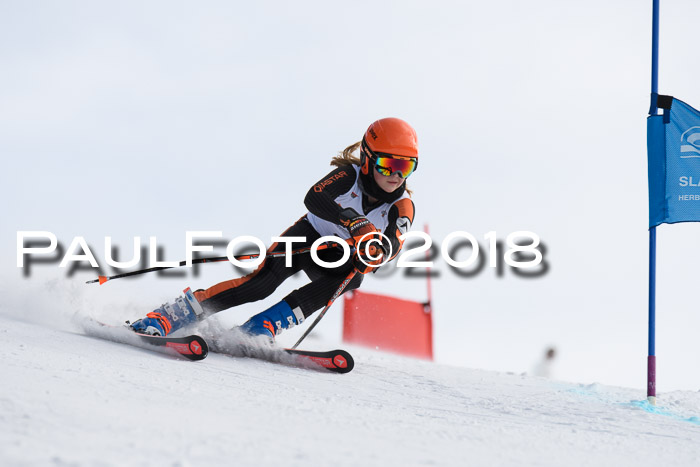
x=690 y=142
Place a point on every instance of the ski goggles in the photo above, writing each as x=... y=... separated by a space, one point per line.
x=388 y=164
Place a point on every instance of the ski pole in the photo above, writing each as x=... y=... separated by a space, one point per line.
x=103 y=279
x=330 y=302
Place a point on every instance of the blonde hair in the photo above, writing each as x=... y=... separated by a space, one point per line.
x=347 y=157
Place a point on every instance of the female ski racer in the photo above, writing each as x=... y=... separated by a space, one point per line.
x=362 y=197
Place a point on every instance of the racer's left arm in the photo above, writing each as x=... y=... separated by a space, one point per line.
x=401 y=216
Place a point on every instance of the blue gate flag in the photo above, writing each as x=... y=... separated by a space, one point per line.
x=673 y=147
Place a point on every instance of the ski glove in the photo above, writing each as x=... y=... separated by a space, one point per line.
x=358 y=226
x=369 y=252
x=368 y=257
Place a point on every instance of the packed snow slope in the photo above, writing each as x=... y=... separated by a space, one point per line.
x=70 y=399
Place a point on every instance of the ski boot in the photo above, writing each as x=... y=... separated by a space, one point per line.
x=169 y=317
x=272 y=321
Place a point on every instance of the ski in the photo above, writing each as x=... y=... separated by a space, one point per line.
x=338 y=361
x=236 y=344
x=191 y=347
x=194 y=347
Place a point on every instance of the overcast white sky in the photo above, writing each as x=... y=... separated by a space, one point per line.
x=139 y=119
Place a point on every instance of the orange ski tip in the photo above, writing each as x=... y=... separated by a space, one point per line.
x=103 y=279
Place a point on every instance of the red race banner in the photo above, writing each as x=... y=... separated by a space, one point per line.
x=388 y=324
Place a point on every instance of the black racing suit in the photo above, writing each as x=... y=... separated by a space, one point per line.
x=324 y=281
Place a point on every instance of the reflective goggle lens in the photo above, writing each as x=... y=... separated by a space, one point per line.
x=405 y=166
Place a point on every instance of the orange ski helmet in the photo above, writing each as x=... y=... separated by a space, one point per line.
x=389 y=137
